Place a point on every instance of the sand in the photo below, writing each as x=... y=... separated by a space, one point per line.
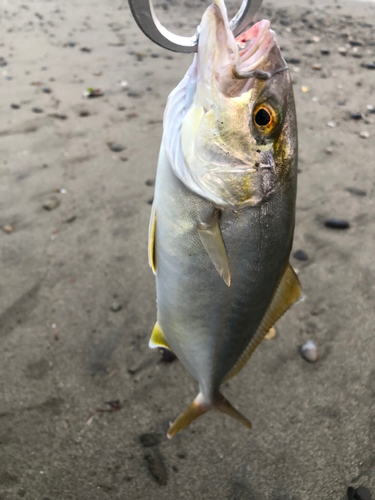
x=77 y=299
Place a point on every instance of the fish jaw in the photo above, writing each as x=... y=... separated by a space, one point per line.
x=211 y=141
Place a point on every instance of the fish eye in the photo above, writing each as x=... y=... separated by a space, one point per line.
x=265 y=118
x=262 y=117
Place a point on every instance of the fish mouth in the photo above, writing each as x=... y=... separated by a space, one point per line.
x=222 y=55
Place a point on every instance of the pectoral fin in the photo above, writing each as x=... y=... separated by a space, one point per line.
x=288 y=293
x=157 y=338
x=151 y=241
x=212 y=240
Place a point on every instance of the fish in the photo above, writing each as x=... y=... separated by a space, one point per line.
x=223 y=215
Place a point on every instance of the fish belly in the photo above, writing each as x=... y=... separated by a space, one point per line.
x=208 y=324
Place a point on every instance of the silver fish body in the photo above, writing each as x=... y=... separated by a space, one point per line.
x=223 y=215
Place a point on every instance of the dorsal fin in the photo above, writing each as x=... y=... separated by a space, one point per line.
x=288 y=293
x=157 y=338
x=151 y=241
x=212 y=240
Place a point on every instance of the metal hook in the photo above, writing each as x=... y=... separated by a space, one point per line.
x=144 y=15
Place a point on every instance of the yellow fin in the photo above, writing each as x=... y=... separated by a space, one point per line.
x=198 y=408
x=212 y=239
x=288 y=292
x=157 y=338
x=151 y=241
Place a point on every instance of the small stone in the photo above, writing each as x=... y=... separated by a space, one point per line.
x=167 y=356
x=150 y=201
x=181 y=454
x=350 y=493
x=46 y=90
x=271 y=334
x=309 y=351
x=316 y=39
x=116 y=307
x=329 y=151
x=71 y=219
x=51 y=203
x=121 y=108
x=293 y=60
x=362 y=493
x=317 y=67
x=356 y=191
x=368 y=65
x=133 y=93
x=116 y=148
x=85 y=49
x=150 y=439
x=124 y=84
x=37 y=110
x=341 y=103
x=331 y=124
x=364 y=134
x=304 y=89
x=370 y=108
x=301 y=255
x=8 y=229
x=355 y=43
x=150 y=182
x=336 y=223
x=325 y=52
x=342 y=50
x=15 y=106
x=155 y=465
x=356 y=116
x=84 y=113
x=91 y=93
x=155 y=56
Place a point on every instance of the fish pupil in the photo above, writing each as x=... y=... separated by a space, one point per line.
x=262 y=118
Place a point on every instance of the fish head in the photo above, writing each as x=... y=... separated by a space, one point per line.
x=238 y=136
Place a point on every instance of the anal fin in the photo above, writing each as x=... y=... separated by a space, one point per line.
x=288 y=292
x=157 y=338
x=212 y=240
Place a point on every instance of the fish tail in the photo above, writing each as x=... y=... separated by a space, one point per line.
x=198 y=408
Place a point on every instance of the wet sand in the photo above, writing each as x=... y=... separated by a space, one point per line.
x=77 y=299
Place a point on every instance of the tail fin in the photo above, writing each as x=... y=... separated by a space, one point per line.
x=198 y=408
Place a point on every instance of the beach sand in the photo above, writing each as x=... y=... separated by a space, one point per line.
x=77 y=299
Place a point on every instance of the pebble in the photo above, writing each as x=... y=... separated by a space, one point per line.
x=8 y=229
x=356 y=116
x=309 y=351
x=116 y=307
x=336 y=223
x=84 y=112
x=356 y=191
x=342 y=50
x=133 y=93
x=355 y=43
x=370 y=108
x=329 y=151
x=37 y=110
x=150 y=201
x=368 y=65
x=331 y=124
x=85 y=49
x=362 y=493
x=292 y=60
x=325 y=52
x=317 y=67
x=155 y=465
x=116 y=148
x=149 y=439
x=91 y=93
x=2 y=62
x=271 y=334
x=301 y=255
x=150 y=182
x=15 y=106
x=167 y=356
x=350 y=493
x=364 y=134
x=51 y=203
x=46 y=90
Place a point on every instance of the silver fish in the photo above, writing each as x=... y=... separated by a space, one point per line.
x=222 y=221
